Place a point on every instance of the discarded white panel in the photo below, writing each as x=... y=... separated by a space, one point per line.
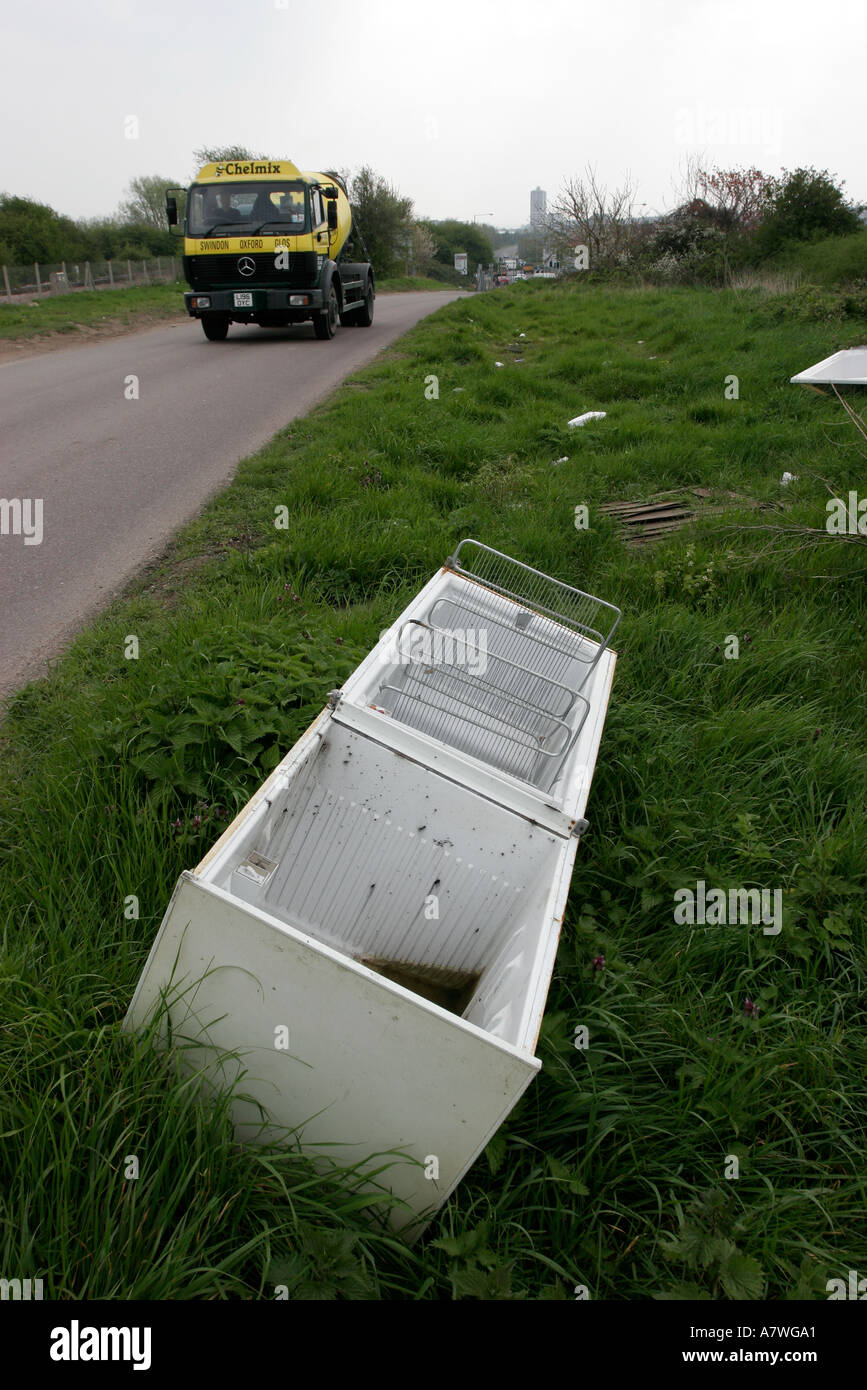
x=391 y=897
x=845 y=368
x=581 y=420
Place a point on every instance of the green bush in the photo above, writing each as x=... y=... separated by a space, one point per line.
x=806 y=205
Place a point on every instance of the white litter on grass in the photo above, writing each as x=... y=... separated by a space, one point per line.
x=499 y=364
x=522 y=335
x=564 y=459
x=845 y=368
x=455 y=389
x=788 y=478
x=581 y=420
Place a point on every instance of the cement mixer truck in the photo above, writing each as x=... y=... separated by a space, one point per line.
x=265 y=243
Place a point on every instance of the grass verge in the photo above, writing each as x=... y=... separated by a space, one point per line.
x=616 y=1170
x=66 y=313
x=390 y=283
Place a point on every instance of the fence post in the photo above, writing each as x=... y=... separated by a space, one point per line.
x=159 y=269
x=38 y=281
x=146 y=275
x=174 y=269
x=129 y=270
x=6 y=282
x=110 y=274
x=88 y=278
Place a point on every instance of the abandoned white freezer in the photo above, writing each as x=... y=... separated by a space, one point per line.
x=369 y=945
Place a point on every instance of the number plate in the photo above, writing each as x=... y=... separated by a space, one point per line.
x=244 y=300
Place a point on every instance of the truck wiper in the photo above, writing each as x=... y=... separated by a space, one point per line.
x=245 y=231
x=273 y=222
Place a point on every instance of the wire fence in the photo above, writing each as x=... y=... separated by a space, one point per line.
x=63 y=277
x=38 y=280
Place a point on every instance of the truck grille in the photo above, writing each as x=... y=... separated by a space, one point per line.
x=214 y=272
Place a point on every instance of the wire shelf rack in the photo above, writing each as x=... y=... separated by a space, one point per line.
x=464 y=712
x=495 y=666
x=469 y=649
x=592 y=619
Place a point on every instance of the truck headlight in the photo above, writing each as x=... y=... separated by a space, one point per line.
x=299 y=299
x=202 y=301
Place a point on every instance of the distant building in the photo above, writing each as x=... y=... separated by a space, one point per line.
x=538 y=208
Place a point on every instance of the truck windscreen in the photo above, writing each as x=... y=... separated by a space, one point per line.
x=269 y=206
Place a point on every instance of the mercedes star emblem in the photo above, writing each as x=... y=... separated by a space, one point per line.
x=247 y=266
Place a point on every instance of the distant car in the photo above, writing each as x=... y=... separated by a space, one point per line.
x=501 y=279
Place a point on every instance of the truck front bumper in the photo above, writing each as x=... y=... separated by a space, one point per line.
x=200 y=302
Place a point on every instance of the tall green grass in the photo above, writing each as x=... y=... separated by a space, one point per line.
x=832 y=261
x=612 y=1171
x=66 y=313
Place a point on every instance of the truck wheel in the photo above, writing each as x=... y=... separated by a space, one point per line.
x=325 y=322
x=364 y=317
x=215 y=327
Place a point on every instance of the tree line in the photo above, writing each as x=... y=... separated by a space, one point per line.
x=384 y=222
x=724 y=220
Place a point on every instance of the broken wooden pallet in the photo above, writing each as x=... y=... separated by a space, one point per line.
x=642 y=522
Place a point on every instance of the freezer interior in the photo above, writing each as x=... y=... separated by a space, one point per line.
x=413 y=876
x=492 y=671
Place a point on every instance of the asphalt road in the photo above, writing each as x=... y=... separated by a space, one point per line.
x=116 y=477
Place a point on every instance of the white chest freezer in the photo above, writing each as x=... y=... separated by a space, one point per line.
x=367 y=949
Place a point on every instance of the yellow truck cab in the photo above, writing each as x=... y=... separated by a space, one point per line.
x=264 y=244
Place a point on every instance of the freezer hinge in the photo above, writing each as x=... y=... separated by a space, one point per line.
x=580 y=828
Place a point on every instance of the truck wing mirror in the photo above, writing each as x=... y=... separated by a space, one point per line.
x=332 y=216
x=173 y=217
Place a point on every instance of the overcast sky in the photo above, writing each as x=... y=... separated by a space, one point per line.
x=463 y=107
